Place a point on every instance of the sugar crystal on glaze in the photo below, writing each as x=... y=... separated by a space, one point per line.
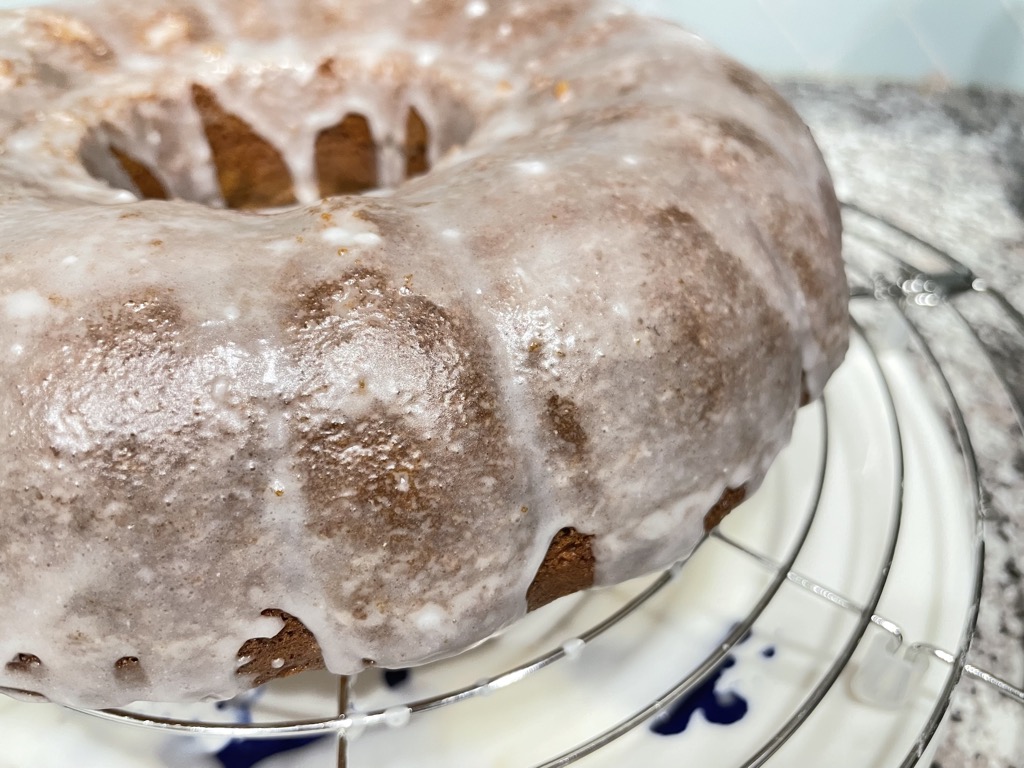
x=593 y=272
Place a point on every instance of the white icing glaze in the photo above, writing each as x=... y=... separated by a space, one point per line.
x=396 y=717
x=375 y=412
x=573 y=648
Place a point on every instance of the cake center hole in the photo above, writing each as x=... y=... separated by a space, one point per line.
x=245 y=170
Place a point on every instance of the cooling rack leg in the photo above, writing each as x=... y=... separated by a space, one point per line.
x=342 y=709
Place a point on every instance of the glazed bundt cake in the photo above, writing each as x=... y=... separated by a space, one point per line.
x=346 y=332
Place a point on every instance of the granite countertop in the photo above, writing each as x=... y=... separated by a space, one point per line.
x=948 y=166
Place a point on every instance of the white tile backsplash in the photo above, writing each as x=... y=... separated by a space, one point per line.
x=962 y=41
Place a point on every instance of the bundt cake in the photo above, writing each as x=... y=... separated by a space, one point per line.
x=345 y=332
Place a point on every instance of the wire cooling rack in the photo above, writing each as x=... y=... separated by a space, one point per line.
x=870 y=661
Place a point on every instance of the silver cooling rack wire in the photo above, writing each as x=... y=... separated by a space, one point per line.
x=899 y=277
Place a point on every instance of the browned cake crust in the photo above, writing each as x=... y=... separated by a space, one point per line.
x=290 y=651
x=251 y=172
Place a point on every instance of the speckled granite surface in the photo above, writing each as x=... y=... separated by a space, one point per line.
x=948 y=166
